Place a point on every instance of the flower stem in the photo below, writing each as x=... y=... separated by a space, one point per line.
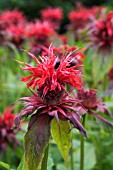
x=82 y=148
x=45 y=158
x=71 y=155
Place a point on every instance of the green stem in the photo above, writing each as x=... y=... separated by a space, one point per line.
x=71 y=154
x=45 y=158
x=82 y=148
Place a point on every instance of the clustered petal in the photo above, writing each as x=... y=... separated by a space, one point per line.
x=52 y=15
x=45 y=73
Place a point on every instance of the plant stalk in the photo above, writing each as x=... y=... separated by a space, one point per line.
x=71 y=155
x=45 y=158
x=82 y=148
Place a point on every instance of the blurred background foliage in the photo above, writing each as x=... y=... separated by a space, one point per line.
x=32 y=8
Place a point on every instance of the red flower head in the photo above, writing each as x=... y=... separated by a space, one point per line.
x=7 y=134
x=44 y=74
x=16 y=34
x=12 y=17
x=101 y=33
x=82 y=16
x=40 y=31
x=89 y=103
x=51 y=98
x=53 y=15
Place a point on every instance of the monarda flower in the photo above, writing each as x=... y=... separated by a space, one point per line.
x=39 y=33
x=89 y=103
x=100 y=45
x=49 y=103
x=83 y=14
x=51 y=98
x=101 y=33
x=52 y=15
x=12 y=17
x=81 y=18
x=7 y=134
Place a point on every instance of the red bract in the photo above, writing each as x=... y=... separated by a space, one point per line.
x=90 y=103
x=44 y=74
x=7 y=134
x=12 y=17
x=53 y=15
x=60 y=109
x=101 y=33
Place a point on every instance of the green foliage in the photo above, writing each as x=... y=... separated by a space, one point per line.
x=6 y=166
x=62 y=136
x=36 y=140
x=22 y=165
x=90 y=156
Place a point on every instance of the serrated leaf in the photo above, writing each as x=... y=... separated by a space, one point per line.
x=36 y=140
x=5 y=165
x=62 y=136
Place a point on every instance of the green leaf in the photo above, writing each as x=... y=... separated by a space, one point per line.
x=101 y=64
x=5 y=165
x=22 y=165
x=36 y=140
x=62 y=137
